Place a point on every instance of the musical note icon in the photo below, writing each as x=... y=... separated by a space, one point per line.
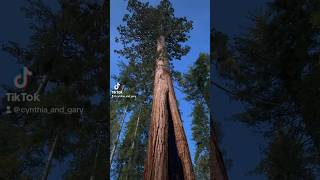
x=21 y=80
x=117 y=86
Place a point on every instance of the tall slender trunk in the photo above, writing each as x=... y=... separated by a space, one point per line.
x=40 y=89
x=50 y=157
x=168 y=154
x=118 y=136
x=43 y=84
x=217 y=167
x=129 y=165
x=135 y=131
x=94 y=167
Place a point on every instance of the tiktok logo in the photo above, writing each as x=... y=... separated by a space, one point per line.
x=118 y=89
x=21 y=80
x=117 y=86
x=118 y=92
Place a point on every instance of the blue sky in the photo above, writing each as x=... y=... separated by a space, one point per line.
x=242 y=144
x=199 y=13
x=14 y=29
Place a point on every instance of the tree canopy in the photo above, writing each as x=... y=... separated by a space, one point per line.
x=274 y=70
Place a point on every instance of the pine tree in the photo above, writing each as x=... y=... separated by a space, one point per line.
x=286 y=158
x=153 y=35
x=219 y=52
x=195 y=84
x=274 y=70
x=133 y=148
x=129 y=157
x=68 y=39
x=201 y=135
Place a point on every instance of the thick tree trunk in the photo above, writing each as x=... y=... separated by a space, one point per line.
x=218 y=170
x=50 y=157
x=118 y=136
x=168 y=154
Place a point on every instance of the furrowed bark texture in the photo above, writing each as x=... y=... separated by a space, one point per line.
x=168 y=156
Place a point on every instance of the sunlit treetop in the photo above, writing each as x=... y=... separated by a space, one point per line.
x=144 y=24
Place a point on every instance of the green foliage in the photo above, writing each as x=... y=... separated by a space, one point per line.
x=115 y=116
x=195 y=84
x=201 y=135
x=286 y=159
x=274 y=70
x=132 y=151
x=222 y=62
x=141 y=28
x=68 y=38
x=200 y=129
x=145 y=24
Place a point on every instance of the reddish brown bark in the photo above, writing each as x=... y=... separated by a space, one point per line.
x=217 y=166
x=180 y=137
x=168 y=154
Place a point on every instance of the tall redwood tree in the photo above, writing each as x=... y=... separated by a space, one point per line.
x=154 y=35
